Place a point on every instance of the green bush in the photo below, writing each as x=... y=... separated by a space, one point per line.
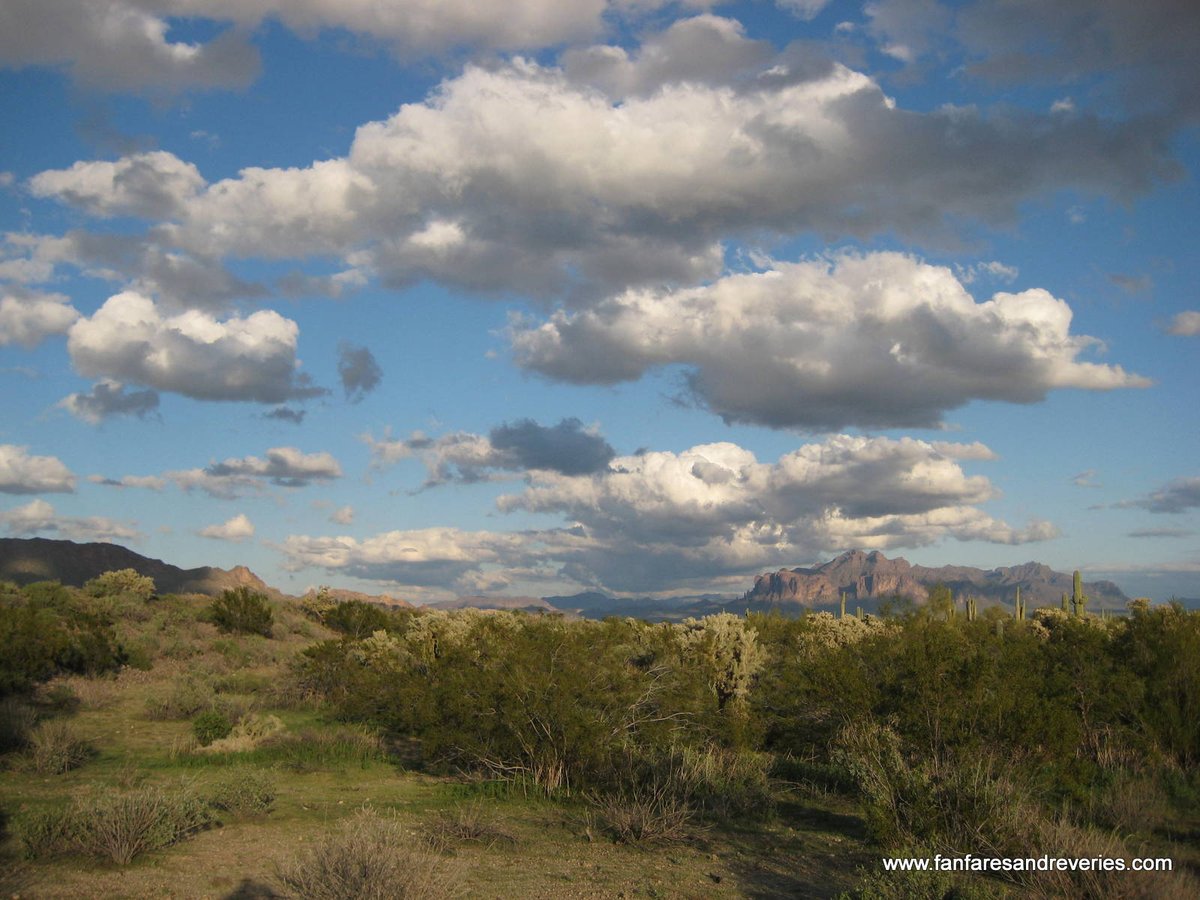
x=211 y=725
x=120 y=828
x=16 y=722
x=243 y=792
x=121 y=582
x=46 y=832
x=243 y=611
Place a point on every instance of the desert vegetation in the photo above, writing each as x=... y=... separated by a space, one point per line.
x=336 y=749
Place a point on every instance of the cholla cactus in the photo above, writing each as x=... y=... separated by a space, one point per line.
x=727 y=648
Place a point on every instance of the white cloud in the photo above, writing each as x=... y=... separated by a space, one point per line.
x=21 y=473
x=237 y=529
x=881 y=340
x=1185 y=324
x=151 y=185
x=28 y=319
x=247 y=359
x=39 y=517
x=343 y=515
x=281 y=466
x=632 y=168
x=660 y=520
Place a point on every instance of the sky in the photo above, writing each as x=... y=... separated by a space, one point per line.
x=442 y=297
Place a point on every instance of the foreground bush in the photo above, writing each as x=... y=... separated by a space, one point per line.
x=116 y=828
x=366 y=858
x=242 y=611
x=243 y=792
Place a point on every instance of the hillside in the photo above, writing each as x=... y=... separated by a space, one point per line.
x=874 y=577
x=25 y=560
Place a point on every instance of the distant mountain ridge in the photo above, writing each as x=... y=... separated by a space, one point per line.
x=25 y=560
x=872 y=576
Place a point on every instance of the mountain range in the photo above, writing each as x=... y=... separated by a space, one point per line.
x=868 y=580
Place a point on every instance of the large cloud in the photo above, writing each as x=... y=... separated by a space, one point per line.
x=661 y=520
x=881 y=340
x=568 y=448
x=251 y=359
x=39 y=517
x=21 y=473
x=624 y=168
x=28 y=319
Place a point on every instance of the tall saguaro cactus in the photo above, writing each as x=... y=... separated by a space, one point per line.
x=1019 y=608
x=843 y=613
x=1079 y=599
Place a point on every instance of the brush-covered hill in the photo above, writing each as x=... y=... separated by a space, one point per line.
x=26 y=560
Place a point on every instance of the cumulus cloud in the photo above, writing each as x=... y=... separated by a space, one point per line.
x=237 y=529
x=109 y=398
x=29 y=318
x=39 y=517
x=21 y=473
x=358 y=370
x=248 y=359
x=880 y=340
x=621 y=168
x=658 y=520
x=150 y=185
x=1175 y=496
x=1185 y=324
x=121 y=45
x=569 y=448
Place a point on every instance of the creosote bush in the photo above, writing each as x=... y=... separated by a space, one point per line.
x=367 y=857
x=242 y=611
x=243 y=792
x=55 y=748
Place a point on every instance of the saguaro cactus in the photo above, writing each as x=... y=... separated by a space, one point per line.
x=972 y=609
x=1079 y=599
x=843 y=613
x=1019 y=608
x=1064 y=603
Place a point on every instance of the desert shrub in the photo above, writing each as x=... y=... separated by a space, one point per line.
x=183 y=698
x=355 y=619
x=311 y=749
x=121 y=582
x=46 y=832
x=721 y=781
x=55 y=748
x=367 y=857
x=242 y=611
x=118 y=828
x=645 y=814
x=243 y=792
x=211 y=725
x=1131 y=803
x=466 y=823
x=917 y=885
x=246 y=735
x=58 y=698
x=17 y=720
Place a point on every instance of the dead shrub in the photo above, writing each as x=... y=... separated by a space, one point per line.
x=55 y=748
x=367 y=857
x=647 y=814
x=466 y=823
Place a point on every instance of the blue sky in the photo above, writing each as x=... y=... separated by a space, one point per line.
x=646 y=297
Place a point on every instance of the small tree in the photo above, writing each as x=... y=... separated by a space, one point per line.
x=242 y=610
